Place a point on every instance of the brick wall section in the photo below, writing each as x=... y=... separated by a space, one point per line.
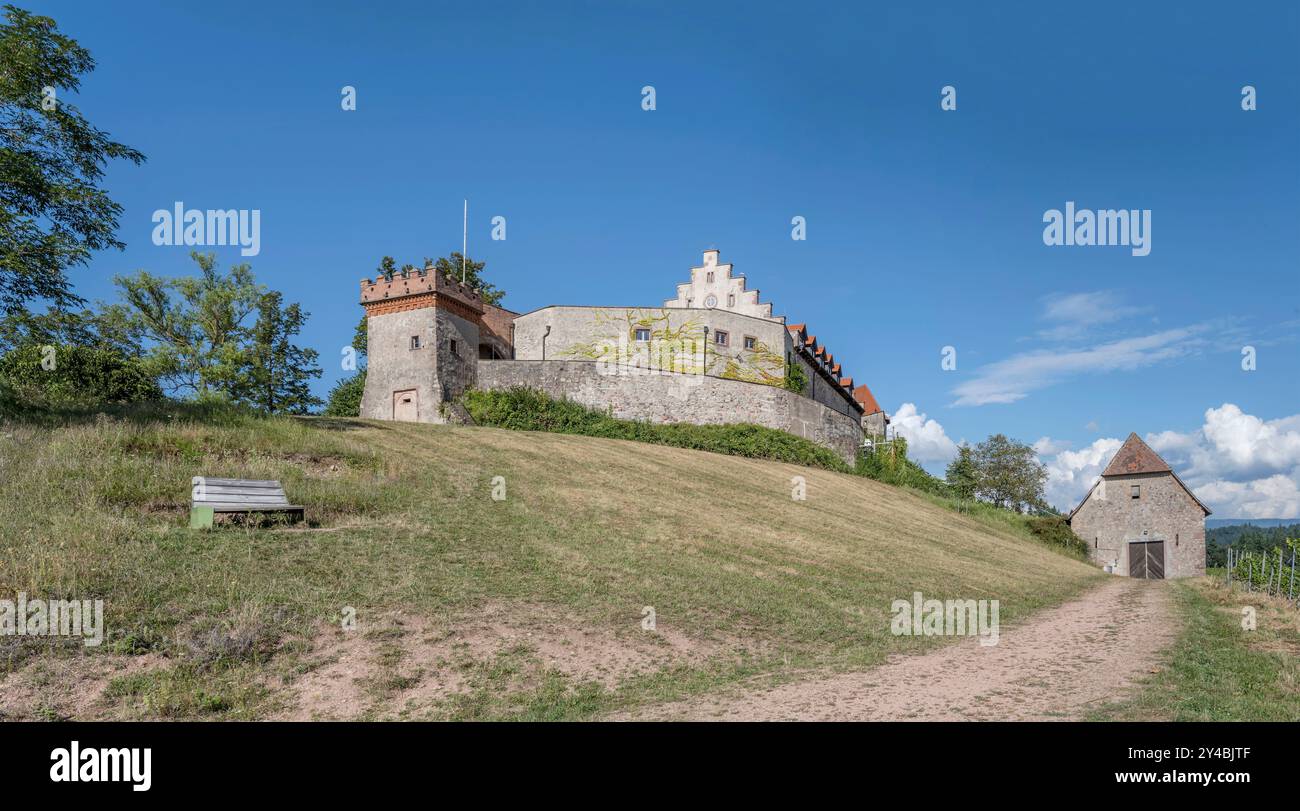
x=1110 y=518
x=667 y=398
x=498 y=329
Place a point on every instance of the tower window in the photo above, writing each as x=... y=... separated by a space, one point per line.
x=415 y=342
x=721 y=338
x=453 y=346
x=642 y=334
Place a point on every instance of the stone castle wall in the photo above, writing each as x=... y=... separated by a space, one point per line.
x=667 y=398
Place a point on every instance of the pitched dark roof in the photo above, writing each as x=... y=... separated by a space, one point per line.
x=1135 y=456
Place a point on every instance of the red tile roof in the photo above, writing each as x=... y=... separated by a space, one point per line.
x=1135 y=456
x=863 y=395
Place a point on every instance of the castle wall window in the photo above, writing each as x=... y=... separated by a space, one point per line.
x=453 y=346
x=1136 y=491
x=415 y=342
x=750 y=341
x=642 y=335
x=721 y=338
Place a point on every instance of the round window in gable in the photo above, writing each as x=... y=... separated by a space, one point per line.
x=711 y=302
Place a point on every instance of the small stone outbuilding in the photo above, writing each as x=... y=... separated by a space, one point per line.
x=1140 y=520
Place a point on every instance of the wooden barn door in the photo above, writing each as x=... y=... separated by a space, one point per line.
x=1147 y=560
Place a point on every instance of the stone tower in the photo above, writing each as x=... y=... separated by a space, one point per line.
x=423 y=344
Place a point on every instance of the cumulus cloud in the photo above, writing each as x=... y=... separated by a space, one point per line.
x=1070 y=473
x=1046 y=446
x=1240 y=465
x=927 y=442
x=1276 y=496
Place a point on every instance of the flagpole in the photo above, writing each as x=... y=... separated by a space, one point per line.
x=464 y=242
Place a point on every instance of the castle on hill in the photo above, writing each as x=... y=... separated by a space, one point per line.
x=712 y=354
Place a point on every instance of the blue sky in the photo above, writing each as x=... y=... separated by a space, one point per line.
x=924 y=226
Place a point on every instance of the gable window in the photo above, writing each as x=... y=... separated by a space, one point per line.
x=731 y=300
x=415 y=342
x=750 y=341
x=1135 y=491
x=721 y=338
x=688 y=302
x=642 y=334
x=708 y=277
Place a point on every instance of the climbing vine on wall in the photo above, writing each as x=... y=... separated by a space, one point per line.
x=679 y=348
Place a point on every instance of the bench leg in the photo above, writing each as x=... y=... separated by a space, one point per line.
x=201 y=517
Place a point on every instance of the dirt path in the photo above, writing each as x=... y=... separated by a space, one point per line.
x=1054 y=666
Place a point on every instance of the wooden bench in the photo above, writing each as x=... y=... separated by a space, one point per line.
x=212 y=497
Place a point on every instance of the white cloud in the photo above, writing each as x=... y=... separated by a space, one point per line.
x=1276 y=496
x=1075 y=313
x=1071 y=473
x=1240 y=465
x=1007 y=381
x=926 y=440
x=1046 y=446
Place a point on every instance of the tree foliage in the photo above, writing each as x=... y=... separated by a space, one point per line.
x=53 y=214
x=53 y=375
x=962 y=475
x=277 y=374
x=1008 y=474
x=216 y=335
x=345 y=398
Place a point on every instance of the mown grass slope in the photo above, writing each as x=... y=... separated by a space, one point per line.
x=533 y=606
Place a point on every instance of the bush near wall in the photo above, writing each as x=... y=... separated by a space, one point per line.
x=1053 y=530
x=345 y=398
x=889 y=464
x=524 y=409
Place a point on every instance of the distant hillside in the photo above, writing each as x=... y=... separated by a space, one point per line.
x=1214 y=523
x=532 y=606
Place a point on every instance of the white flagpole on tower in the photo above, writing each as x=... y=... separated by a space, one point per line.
x=464 y=242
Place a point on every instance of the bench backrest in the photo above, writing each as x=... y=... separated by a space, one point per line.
x=238 y=492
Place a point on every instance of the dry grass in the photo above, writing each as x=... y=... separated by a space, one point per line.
x=402 y=527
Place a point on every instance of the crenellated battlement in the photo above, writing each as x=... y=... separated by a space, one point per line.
x=382 y=294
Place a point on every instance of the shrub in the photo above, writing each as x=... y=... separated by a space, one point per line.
x=78 y=375
x=888 y=463
x=524 y=409
x=345 y=397
x=1053 y=530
